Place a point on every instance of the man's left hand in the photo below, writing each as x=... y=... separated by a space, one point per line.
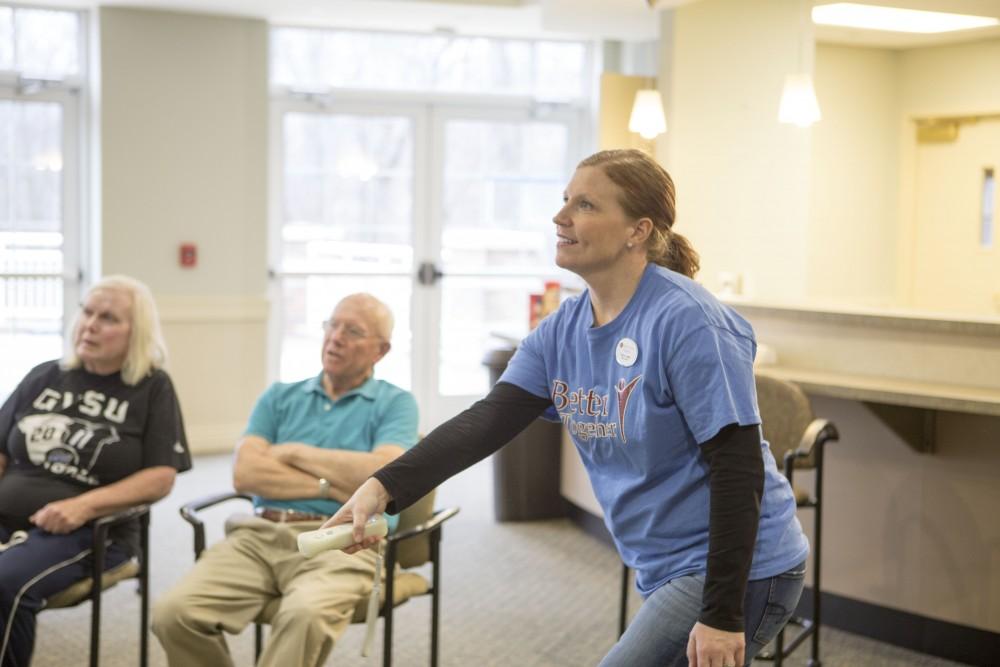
x=709 y=647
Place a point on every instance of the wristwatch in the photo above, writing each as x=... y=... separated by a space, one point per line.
x=324 y=488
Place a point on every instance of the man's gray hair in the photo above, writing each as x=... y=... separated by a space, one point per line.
x=381 y=316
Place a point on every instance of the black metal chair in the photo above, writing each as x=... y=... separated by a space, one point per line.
x=415 y=542
x=797 y=440
x=136 y=568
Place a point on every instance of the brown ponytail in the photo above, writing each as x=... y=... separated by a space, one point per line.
x=648 y=192
x=680 y=255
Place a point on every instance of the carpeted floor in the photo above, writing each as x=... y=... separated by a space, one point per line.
x=535 y=594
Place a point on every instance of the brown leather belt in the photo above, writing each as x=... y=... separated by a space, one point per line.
x=287 y=515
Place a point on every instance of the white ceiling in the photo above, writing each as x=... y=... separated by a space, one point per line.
x=631 y=20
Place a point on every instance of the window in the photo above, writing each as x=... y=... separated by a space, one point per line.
x=311 y=59
x=407 y=153
x=347 y=186
x=41 y=63
x=40 y=43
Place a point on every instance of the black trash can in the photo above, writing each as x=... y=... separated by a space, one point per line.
x=526 y=470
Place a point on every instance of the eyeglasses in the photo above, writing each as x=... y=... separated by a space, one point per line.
x=351 y=331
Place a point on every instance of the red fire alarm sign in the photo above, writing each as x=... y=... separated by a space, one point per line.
x=189 y=255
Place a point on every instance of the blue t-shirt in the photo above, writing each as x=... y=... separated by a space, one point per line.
x=638 y=395
x=375 y=413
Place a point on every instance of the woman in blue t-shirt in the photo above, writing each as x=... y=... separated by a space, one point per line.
x=653 y=379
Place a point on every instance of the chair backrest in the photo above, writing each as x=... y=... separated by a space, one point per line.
x=417 y=551
x=785 y=413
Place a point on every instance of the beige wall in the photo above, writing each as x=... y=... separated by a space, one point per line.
x=832 y=213
x=617 y=96
x=855 y=176
x=743 y=181
x=894 y=222
x=910 y=531
x=929 y=542
x=952 y=79
x=183 y=140
x=942 y=266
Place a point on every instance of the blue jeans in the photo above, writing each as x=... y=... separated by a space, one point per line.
x=658 y=635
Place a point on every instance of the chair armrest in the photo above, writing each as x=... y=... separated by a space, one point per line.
x=126 y=514
x=189 y=512
x=818 y=433
x=102 y=524
x=432 y=524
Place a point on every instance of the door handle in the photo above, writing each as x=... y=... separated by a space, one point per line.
x=428 y=273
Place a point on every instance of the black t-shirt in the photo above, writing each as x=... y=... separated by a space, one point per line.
x=65 y=432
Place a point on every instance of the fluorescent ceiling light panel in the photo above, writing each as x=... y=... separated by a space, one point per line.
x=892 y=19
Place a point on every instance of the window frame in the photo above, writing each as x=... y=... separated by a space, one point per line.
x=79 y=248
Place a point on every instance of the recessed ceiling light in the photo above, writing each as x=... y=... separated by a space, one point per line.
x=872 y=17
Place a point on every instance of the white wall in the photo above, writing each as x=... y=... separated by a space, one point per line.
x=743 y=179
x=855 y=176
x=183 y=126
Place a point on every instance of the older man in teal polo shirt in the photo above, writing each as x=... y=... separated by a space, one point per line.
x=307 y=447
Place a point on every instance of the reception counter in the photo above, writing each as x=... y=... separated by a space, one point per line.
x=906 y=367
x=911 y=545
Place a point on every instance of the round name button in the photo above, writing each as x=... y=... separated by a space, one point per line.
x=626 y=352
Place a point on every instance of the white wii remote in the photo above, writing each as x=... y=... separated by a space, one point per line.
x=314 y=541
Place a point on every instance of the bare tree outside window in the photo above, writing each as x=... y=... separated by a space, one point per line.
x=312 y=59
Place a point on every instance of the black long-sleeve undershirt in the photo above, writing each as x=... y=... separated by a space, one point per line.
x=736 y=485
x=736 y=481
x=472 y=435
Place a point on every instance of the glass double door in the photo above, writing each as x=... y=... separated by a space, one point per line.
x=443 y=212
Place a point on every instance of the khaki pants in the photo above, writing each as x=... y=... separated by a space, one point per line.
x=235 y=578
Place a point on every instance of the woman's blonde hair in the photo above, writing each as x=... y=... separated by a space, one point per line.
x=146 y=349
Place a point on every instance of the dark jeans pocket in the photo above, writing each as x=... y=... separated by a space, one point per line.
x=782 y=599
